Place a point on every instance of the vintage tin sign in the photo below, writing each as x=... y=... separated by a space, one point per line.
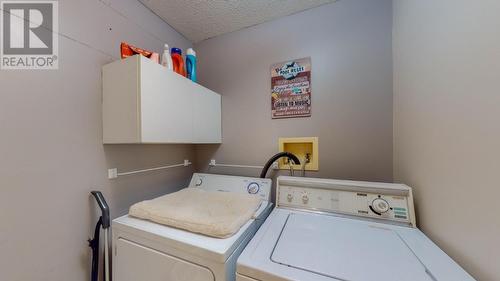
x=291 y=89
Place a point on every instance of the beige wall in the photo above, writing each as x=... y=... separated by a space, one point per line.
x=349 y=43
x=446 y=114
x=51 y=154
x=446 y=120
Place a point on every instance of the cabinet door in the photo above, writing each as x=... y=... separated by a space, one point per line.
x=207 y=117
x=121 y=112
x=166 y=106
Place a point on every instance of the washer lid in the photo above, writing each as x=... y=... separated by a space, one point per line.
x=346 y=249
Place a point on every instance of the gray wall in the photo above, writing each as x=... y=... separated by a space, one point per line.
x=50 y=146
x=349 y=43
x=447 y=111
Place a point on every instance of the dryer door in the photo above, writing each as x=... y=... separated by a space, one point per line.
x=135 y=262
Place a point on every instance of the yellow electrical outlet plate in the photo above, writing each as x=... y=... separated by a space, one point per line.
x=300 y=147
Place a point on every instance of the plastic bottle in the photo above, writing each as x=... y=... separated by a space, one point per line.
x=166 y=59
x=191 y=64
x=178 y=61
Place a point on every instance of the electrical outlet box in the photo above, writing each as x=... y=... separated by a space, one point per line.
x=302 y=148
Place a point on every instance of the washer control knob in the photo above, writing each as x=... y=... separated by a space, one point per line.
x=305 y=198
x=289 y=197
x=198 y=182
x=380 y=205
x=253 y=188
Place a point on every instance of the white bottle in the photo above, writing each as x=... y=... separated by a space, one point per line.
x=166 y=59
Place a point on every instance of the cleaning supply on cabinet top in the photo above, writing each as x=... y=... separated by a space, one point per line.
x=128 y=50
x=191 y=64
x=178 y=61
x=166 y=59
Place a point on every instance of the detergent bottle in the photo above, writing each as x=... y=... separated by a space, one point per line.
x=191 y=64
x=166 y=59
x=178 y=61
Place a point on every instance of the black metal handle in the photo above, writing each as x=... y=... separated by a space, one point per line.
x=104 y=208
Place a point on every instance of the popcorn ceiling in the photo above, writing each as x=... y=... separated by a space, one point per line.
x=198 y=20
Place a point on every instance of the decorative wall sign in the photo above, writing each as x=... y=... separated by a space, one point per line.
x=291 y=89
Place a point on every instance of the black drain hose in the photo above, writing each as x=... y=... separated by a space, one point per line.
x=94 y=245
x=104 y=222
x=275 y=157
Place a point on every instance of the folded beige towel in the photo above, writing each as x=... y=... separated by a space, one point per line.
x=213 y=213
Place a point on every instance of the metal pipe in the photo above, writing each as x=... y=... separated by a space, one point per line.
x=185 y=164
x=106 y=254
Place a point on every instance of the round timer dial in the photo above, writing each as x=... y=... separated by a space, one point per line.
x=380 y=205
x=253 y=188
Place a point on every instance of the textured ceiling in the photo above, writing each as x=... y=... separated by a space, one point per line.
x=198 y=20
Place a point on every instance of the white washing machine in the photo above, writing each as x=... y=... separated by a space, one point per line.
x=146 y=251
x=325 y=230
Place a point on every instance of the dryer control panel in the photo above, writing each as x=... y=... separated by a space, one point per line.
x=384 y=201
x=211 y=182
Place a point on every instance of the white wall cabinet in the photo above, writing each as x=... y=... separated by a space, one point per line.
x=143 y=102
